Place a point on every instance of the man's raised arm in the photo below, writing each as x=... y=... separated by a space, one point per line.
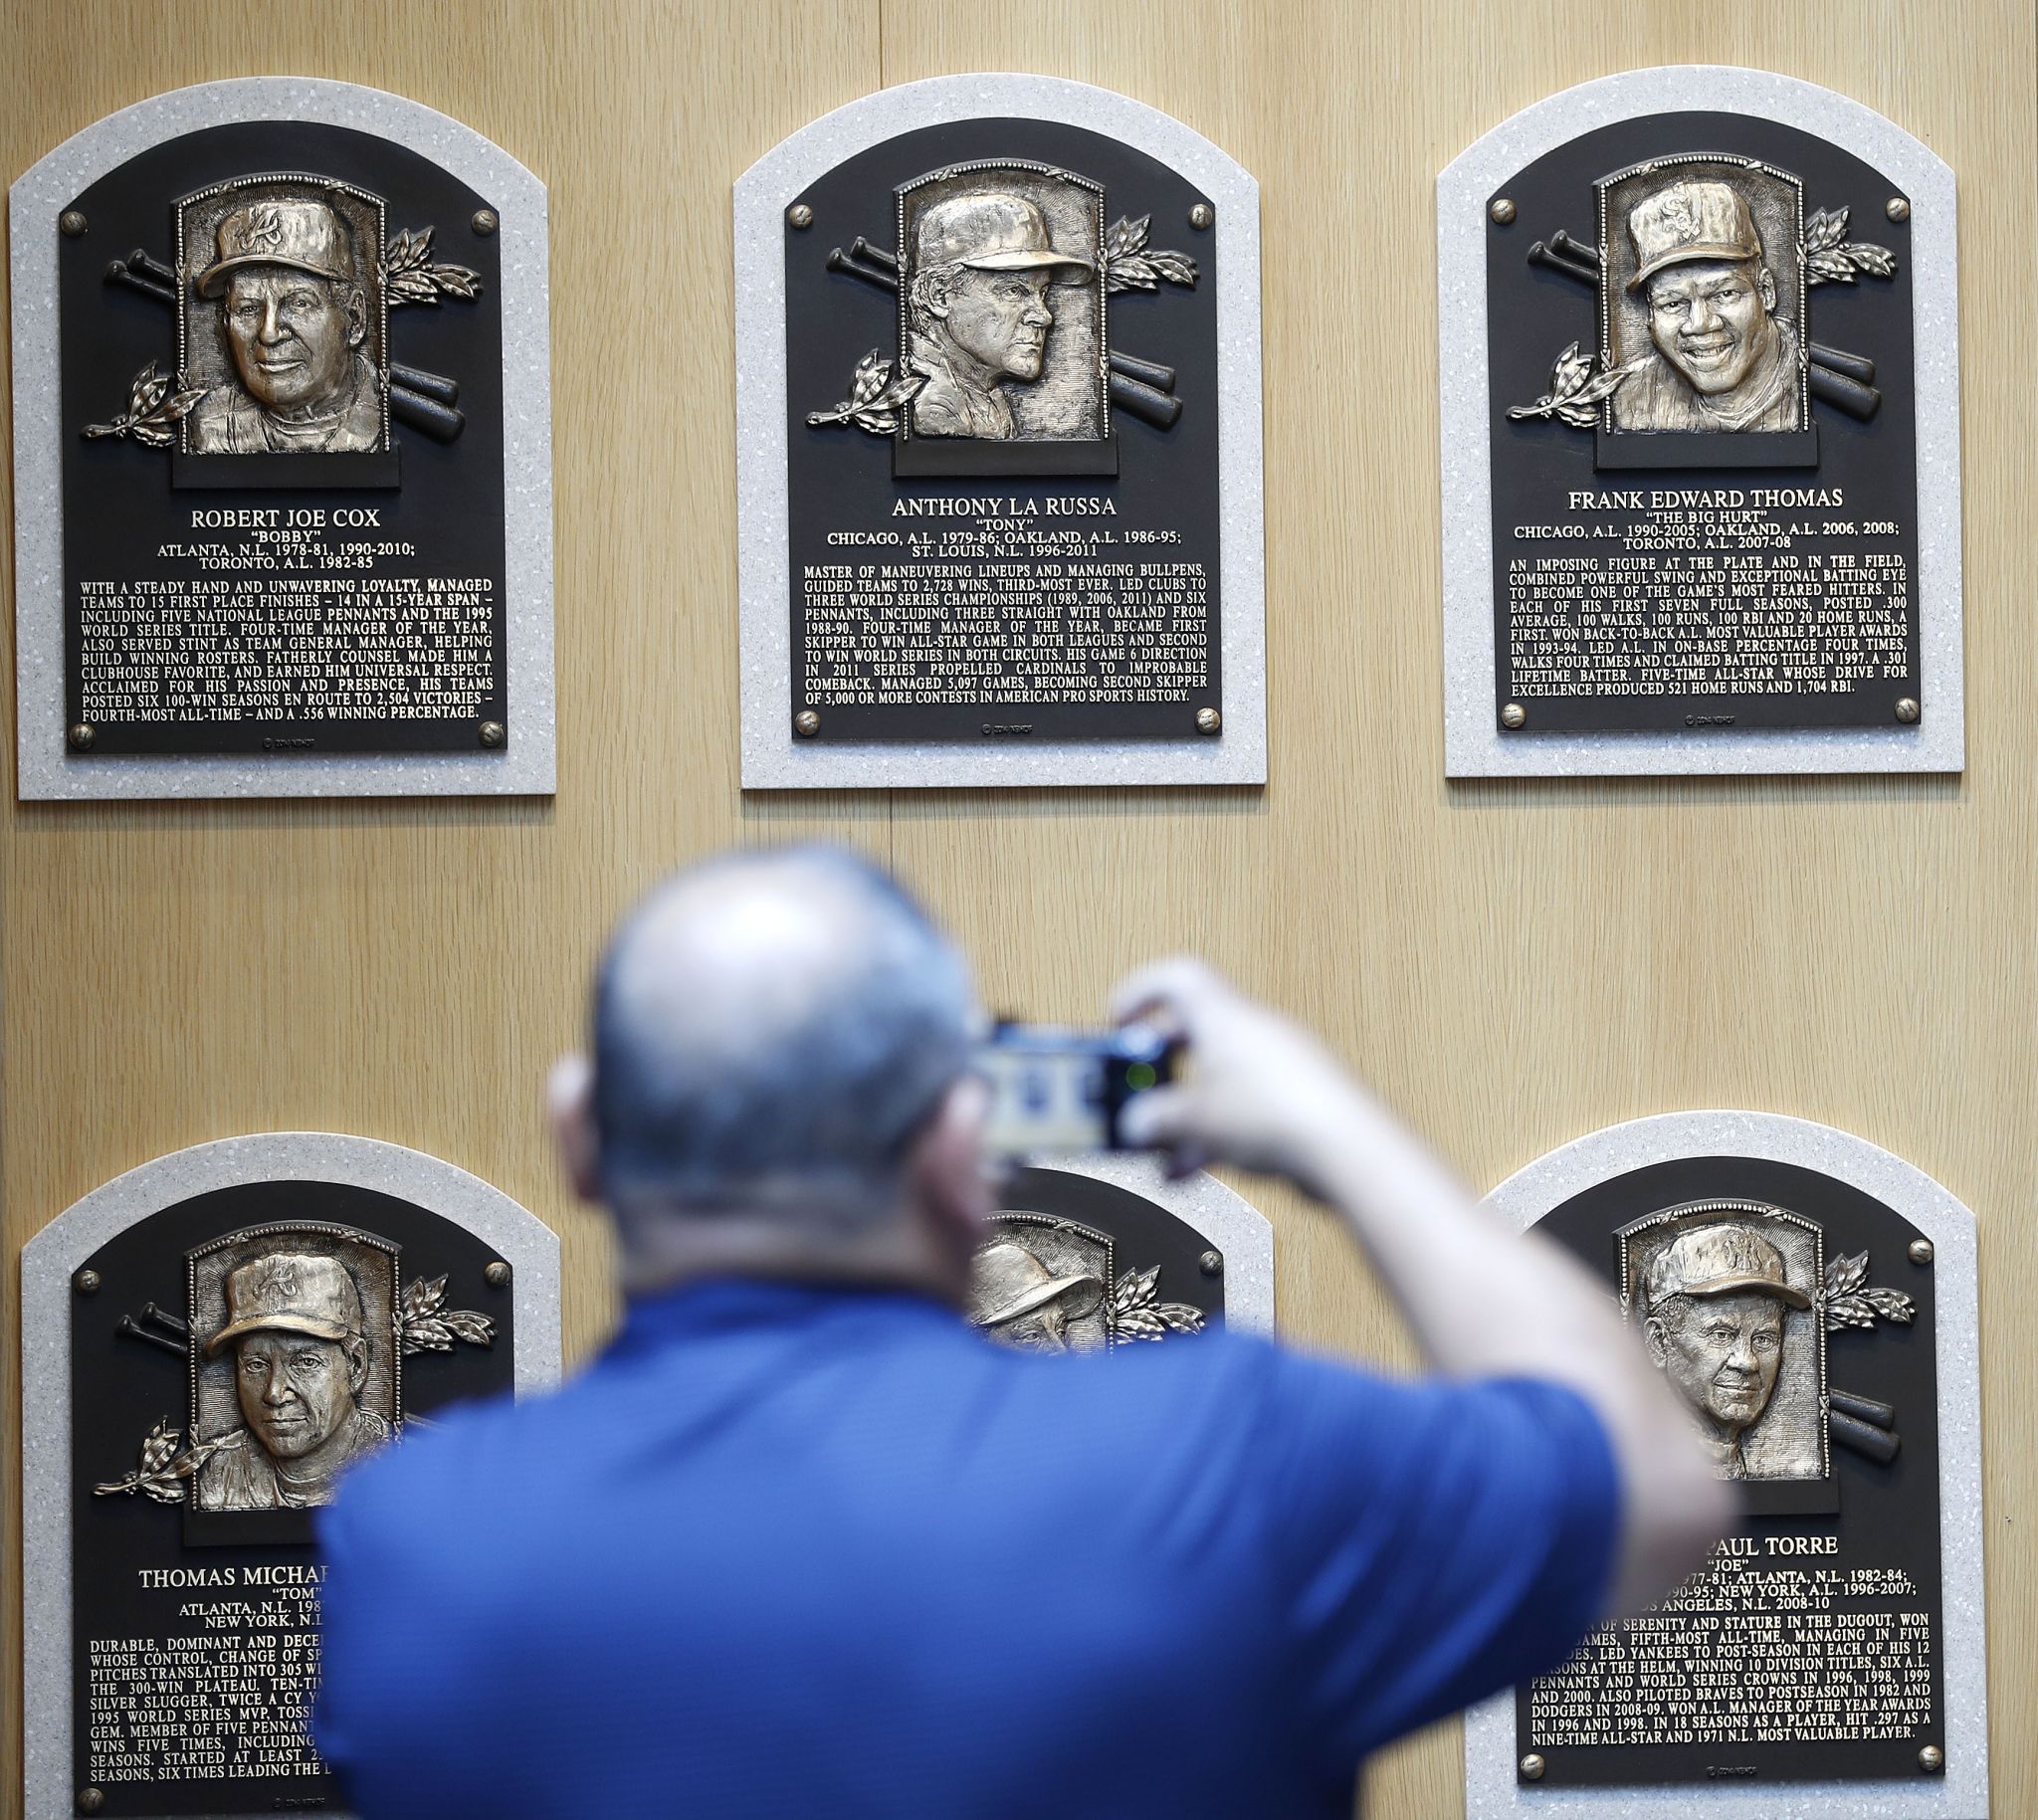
x=1483 y=1301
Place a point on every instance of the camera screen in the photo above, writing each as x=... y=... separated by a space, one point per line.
x=1045 y=1100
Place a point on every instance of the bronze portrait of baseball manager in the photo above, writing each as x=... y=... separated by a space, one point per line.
x=294 y=318
x=1712 y=1301
x=1723 y=358
x=1019 y=1302
x=983 y=267
x=301 y=1359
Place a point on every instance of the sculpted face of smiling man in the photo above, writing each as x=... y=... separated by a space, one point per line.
x=294 y=318
x=1722 y=359
x=1713 y=1300
x=300 y=1362
x=984 y=267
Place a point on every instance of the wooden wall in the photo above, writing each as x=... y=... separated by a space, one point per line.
x=1510 y=965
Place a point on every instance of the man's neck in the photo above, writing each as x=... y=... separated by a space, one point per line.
x=661 y=1252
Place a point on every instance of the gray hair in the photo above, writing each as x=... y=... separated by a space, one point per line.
x=771 y=1030
x=919 y=293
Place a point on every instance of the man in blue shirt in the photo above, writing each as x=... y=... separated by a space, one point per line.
x=800 y=1543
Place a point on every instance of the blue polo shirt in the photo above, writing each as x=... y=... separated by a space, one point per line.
x=788 y=1550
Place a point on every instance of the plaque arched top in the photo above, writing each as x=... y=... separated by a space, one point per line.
x=872 y=118
x=1601 y=1157
x=96 y=149
x=1699 y=88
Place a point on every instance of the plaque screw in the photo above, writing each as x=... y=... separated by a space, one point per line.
x=1897 y=209
x=91 y=1800
x=1531 y=1767
x=494 y=733
x=1202 y=215
x=806 y=724
x=497 y=1275
x=81 y=736
x=1502 y=210
x=1931 y=1759
x=1211 y=1264
x=800 y=215
x=88 y=1282
x=1208 y=721
x=1514 y=715
x=1907 y=710
x=70 y=224
x=486 y=222
x=1920 y=1251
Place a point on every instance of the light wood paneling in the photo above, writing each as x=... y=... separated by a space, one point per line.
x=1510 y=965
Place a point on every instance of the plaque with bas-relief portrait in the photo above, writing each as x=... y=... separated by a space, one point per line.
x=1700 y=393
x=210 y=1344
x=1091 y=1253
x=283 y=464
x=1811 y=1302
x=999 y=462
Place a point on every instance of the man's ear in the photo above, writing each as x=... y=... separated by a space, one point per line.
x=934 y=291
x=356 y=1362
x=944 y=1169
x=569 y=1106
x=356 y=318
x=1653 y=1339
x=1768 y=290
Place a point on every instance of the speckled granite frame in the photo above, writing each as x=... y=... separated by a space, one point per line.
x=520 y=1238
x=47 y=770
x=1492 y=1791
x=1474 y=744
x=774 y=757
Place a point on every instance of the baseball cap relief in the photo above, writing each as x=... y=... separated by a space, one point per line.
x=1686 y=222
x=1719 y=1260
x=305 y=236
x=290 y=1293
x=1011 y=1282
x=994 y=234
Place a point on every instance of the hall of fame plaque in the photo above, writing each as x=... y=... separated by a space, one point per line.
x=1700 y=382
x=1090 y=1252
x=279 y=368
x=999 y=420
x=1811 y=1303
x=208 y=1343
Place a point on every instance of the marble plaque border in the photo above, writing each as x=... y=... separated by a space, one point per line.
x=46 y=770
x=1492 y=1791
x=1475 y=746
x=1231 y=1223
x=519 y=1237
x=775 y=758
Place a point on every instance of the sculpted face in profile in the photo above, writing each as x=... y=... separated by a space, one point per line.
x=1713 y=1300
x=1722 y=359
x=984 y=267
x=301 y=1359
x=1016 y=1300
x=294 y=316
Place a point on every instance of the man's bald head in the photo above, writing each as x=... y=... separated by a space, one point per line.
x=770 y=1030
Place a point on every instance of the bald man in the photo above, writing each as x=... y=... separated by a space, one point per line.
x=802 y=1542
